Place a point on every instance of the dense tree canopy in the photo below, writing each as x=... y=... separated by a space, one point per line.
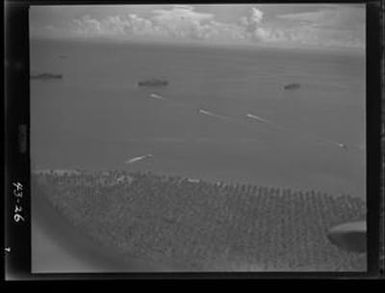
x=203 y=225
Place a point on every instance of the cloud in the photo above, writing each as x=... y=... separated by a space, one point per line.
x=87 y=26
x=180 y=22
x=256 y=15
x=325 y=26
x=253 y=26
x=180 y=13
x=114 y=26
x=333 y=26
x=253 y=20
x=337 y=17
x=225 y=32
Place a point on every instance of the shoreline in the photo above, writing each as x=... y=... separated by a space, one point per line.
x=293 y=187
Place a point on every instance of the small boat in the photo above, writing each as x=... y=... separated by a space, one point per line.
x=157 y=97
x=153 y=83
x=292 y=86
x=343 y=146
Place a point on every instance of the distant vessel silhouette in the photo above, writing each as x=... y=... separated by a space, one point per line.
x=45 y=76
x=292 y=86
x=154 y=82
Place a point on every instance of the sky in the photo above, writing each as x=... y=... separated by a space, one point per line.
x=332 y=26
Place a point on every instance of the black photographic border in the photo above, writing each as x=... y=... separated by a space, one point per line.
x=17 y=240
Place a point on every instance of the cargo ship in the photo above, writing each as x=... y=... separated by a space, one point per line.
x=292 y=86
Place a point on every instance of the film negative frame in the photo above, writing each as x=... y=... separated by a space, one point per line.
x=17 y=201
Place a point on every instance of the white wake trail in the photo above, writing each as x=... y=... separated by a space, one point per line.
x=136 y=159
x=265 y=121
x=301 y=133
x=211 y=114
x=259 y=119
x=157 y=97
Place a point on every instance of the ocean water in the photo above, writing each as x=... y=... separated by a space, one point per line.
x=97 y=118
